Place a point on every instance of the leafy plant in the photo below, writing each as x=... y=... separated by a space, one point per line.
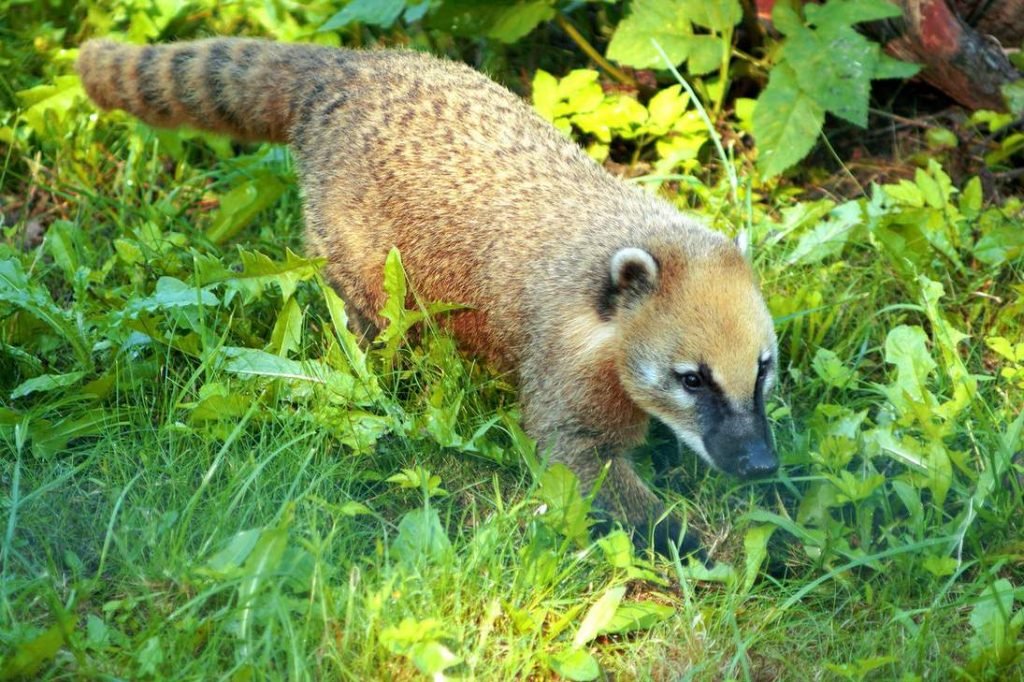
x=577 y=102
x=823 y=65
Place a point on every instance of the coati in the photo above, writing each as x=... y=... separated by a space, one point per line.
x=607 y=302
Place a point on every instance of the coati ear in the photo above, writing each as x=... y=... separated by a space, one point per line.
x=634 y=272
x=632 y=275
x=742 y=242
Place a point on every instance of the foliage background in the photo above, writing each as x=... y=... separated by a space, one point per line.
x=203 y=474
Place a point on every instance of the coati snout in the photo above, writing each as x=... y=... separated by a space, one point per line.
x=606 y=302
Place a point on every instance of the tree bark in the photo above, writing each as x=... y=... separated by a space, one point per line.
x=956 y=59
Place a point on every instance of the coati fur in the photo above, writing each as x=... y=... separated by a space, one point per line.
x=606 y=302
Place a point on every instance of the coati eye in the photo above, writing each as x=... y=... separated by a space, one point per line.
x=691 y=381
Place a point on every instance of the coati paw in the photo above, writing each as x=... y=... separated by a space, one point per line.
x=670 y=532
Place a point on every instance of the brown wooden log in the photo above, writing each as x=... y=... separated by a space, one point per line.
x=1001 y=19
x=955 y=58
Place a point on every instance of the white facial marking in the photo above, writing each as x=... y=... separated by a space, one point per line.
x=695 y=443
x=649 y=374
x=769 y=378
x=588 y=335
x=683 y=397
x=685 y=368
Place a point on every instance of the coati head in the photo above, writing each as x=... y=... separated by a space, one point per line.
x=697 y=348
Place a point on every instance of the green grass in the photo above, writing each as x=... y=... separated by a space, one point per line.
x=174 y=509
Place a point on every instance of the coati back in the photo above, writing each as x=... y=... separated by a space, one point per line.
x=608 y=303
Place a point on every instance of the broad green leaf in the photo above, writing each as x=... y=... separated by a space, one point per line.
x=172 y=293
x=97 y=633
x=706 y=54
x=357 y=430
x=598 y=616
x=259 y=272
x=567 y=509
x=28 y=656
x=906 y=193
x=421 y=537
x=151 y=657
x=261 y=568
x=1013 y=93
x=665 y=108
x=1001 y=244
x=416 y=12
x=251 y=362
x=906 y=347
x=665 y=22
x=834 y=69
x=755 y=547
x=398 y=639
x=51 y=102
x=62 y=239
x=850 y=12
x=640 y=615
x=381 y=13
x=1003 y=346
x=579 y=92
x=618 y=115
x=510 y=24
x=617 y=548
x=217 y=402
x=241 y=205
x=716 y=15
x=930 y=189
x=228 y=561
x=785 y=19
x=544 y=93
x=828 y=238
x=830 y=369
x=787 y=122
x=971 y=197
x=46 y=383
x=129 y=251
x=990 y=619
x=353 y=508
x=504 y=20
x=693 y=569
x=353 y=352
x=575 y=664
x=48 y=438
x=286 y=336
x=889 y=67
x=861 y=667
x=939 y=566
x=394 y=310
x=432 y=657
x=35 y=300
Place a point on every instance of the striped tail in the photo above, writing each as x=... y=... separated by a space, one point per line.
x=248 y=89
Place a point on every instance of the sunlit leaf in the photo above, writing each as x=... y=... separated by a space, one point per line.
x=575 y=664
x=666 y=22
x=45 y=383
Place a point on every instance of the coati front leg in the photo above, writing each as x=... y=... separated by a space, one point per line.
x=624 y=496
x=564 y=435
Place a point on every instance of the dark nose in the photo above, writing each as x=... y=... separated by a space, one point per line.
x=758 y=459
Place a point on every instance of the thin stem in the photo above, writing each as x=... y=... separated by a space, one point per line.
x=712 y=131
x=592 y=52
